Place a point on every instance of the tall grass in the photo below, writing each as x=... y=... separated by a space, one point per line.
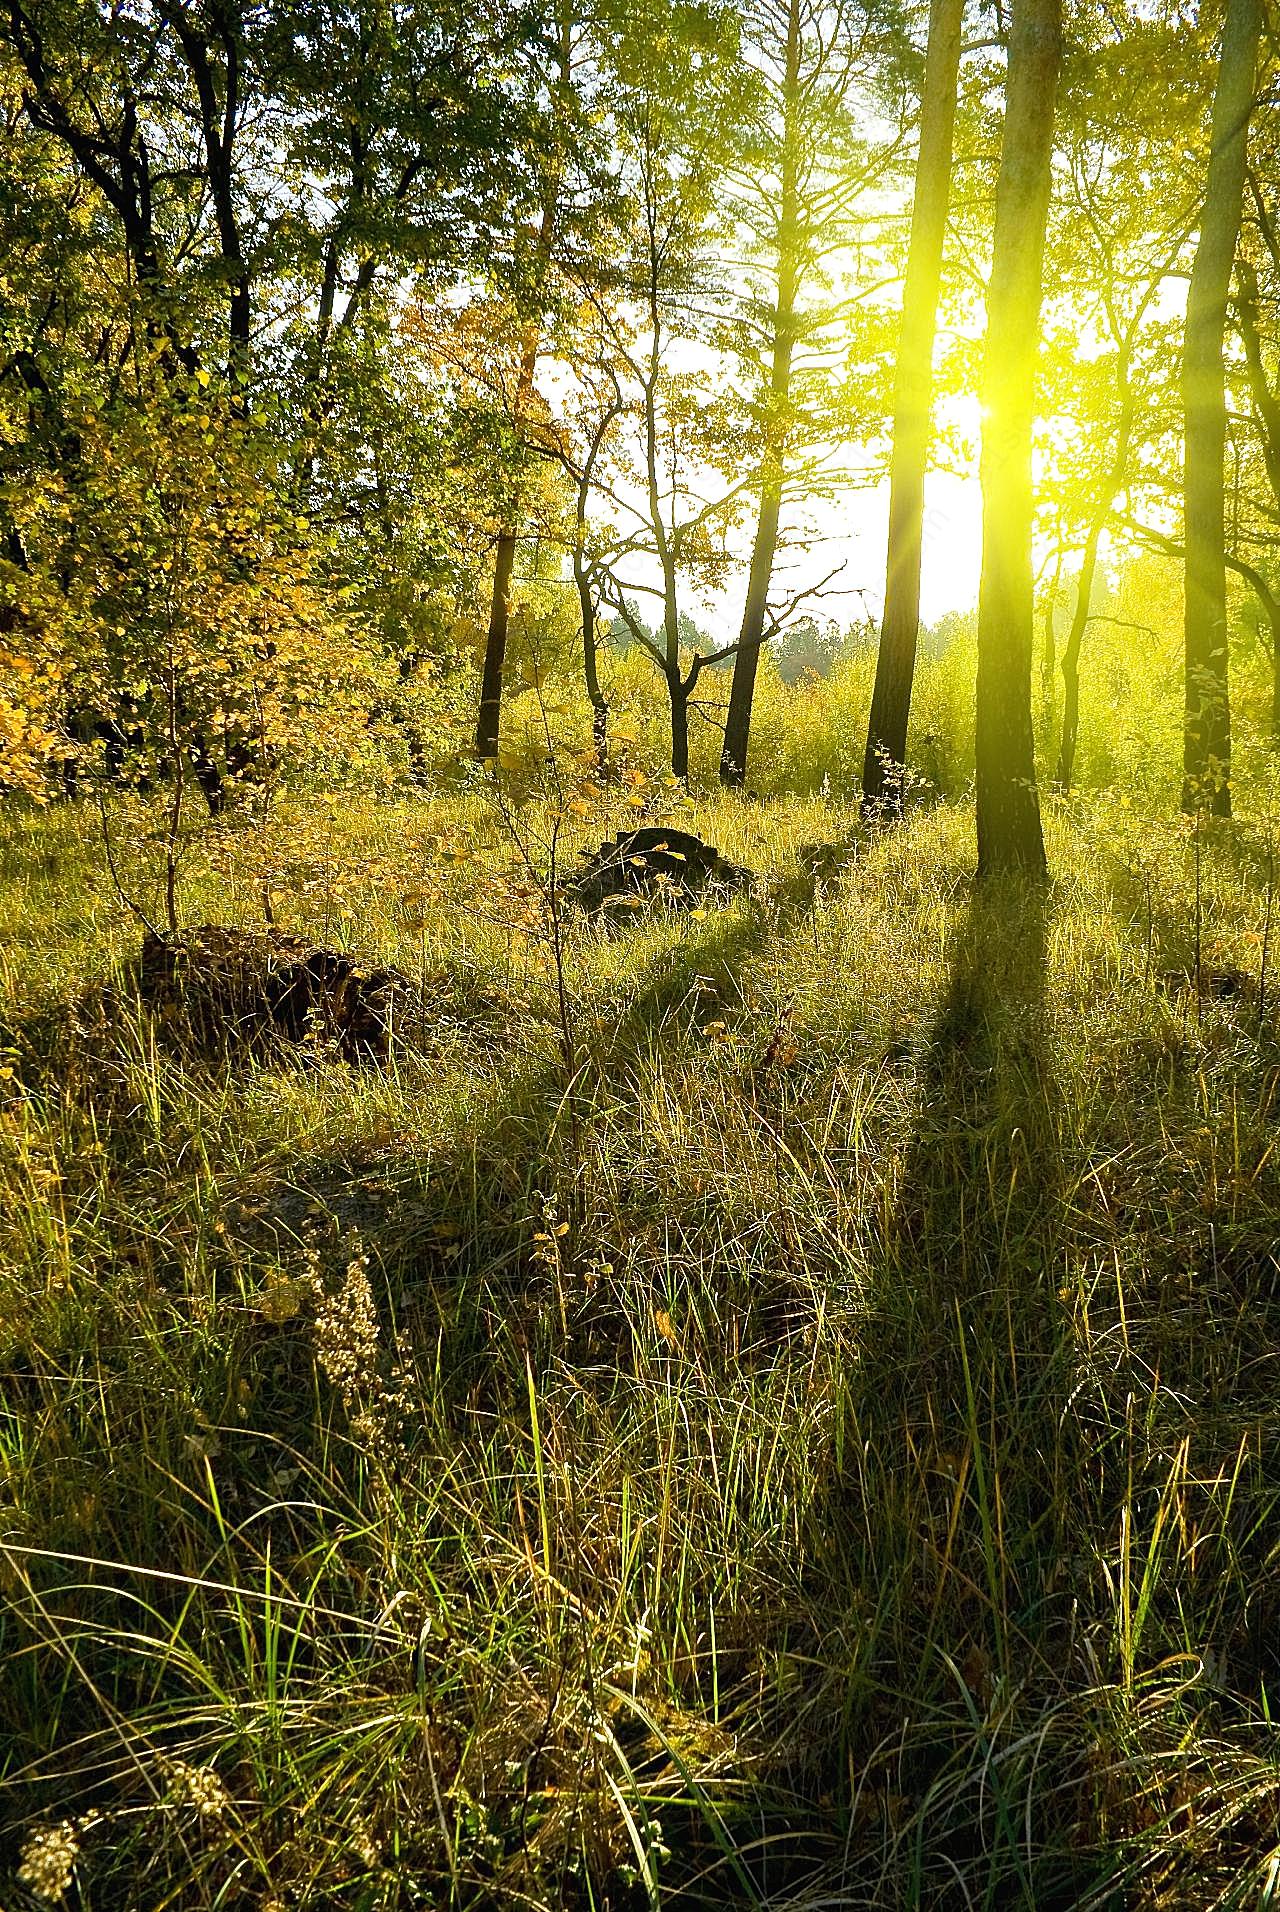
x=813 y=1442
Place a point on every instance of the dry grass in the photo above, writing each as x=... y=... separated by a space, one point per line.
x=787 y=1419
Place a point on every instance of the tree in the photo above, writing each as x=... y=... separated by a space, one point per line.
x=168 y=581
x=675 y=108
x=264 y=177
x=561 y=87
x=578 y=440
x=1207 y=728
x=737 y=731
x=1010 y=838
x=1114 y=244
x=799 y=187
x=1264 y=404
x=886 y=749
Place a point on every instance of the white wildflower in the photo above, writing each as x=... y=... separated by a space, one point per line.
x=49 y=1860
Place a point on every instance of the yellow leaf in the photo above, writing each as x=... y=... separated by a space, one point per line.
x=662 y=1322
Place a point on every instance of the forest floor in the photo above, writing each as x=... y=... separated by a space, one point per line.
x=777 y=1409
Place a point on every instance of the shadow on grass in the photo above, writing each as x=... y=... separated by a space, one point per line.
x=451 y=1231
x=889 y=1708
x=940 y=1531
x=449 y=1223
x=551 y=1145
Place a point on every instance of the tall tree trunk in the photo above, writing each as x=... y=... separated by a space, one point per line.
x=677 y=686
x=489 y=717
x=1071 y=661
x=1008 y=805
x=737 y=726
x=1266 y=418
x=495 y=649
x=1273 y=631
x=1207 y=727
x=1084 y=587
x=1049 y=653
x=666 y=652
x=583 y=578
x=679 y=694
x=886 y=750
x=591 y=663
x=737 y=729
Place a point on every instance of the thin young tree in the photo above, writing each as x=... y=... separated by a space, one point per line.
x=489 y=716
x=885 y=760
x=1126 y=378
x=1264 y=407
x=1207 y=722
x=1010 y=838
x=678 y=487
x=737 y=730
x=800 y=190
x=1114 y=243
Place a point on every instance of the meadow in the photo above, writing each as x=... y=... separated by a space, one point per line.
x=773 y=1406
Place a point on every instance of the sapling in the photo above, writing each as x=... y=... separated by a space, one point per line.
x=541 y=859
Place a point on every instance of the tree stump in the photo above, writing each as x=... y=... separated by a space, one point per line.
x=659 y=865
x=235 y=988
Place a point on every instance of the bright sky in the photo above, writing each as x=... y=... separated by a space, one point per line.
x=952 y=547
x=854 y=529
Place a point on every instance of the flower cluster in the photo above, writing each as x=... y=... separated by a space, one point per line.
x=197 y=1786
x=49 y=1860
x=347 y=1342
x=345 y=1330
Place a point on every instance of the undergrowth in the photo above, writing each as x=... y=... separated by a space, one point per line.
x=776 y=1410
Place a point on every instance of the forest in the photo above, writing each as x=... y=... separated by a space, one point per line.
x=639 y=1019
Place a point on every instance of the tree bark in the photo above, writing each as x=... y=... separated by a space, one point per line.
x=1272 y=607
x=219 y=122
x=590 y=663
x=668 y=652
x=1084 y=587
x=737 y=729
x=1049 y=654
x=1071 y=661
x=1207 y=724
x=886 y=751
x=679 y=694
x=1266 y=417
x=583 y=577
x=678 y=686
x=742 y=689
x=489 y=718
x=1010 y=838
